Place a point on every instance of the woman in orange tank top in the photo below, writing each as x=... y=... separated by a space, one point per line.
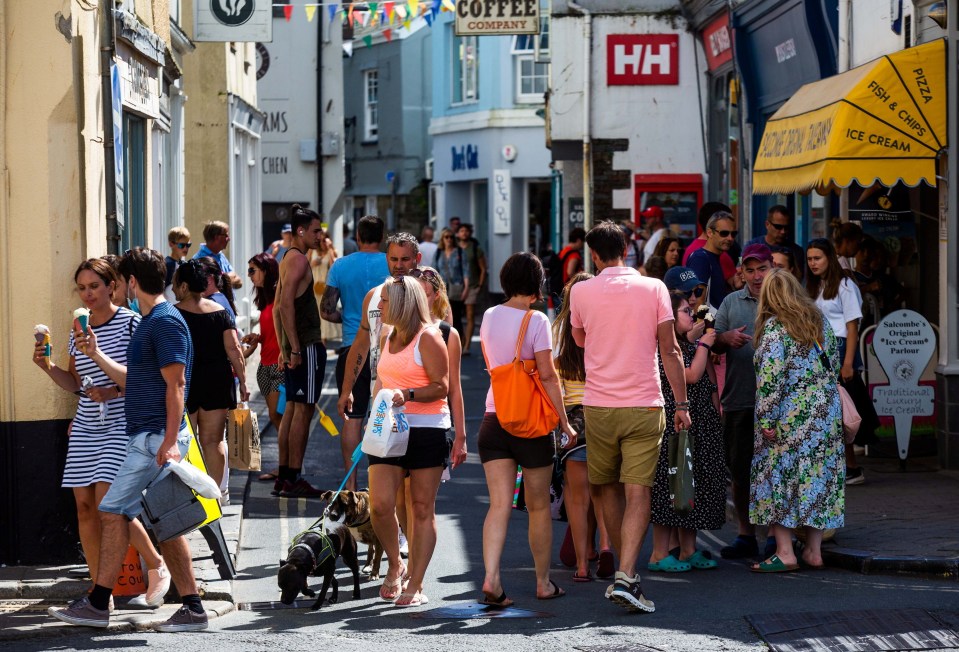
x=414 y=364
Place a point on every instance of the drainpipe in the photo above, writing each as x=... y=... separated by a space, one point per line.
x=319 y=119
x=106 y=90
x=842 y=65
x=587 y=107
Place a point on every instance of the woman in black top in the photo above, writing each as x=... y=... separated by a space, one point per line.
x=216 y=358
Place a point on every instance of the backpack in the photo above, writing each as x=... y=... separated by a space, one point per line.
x=555 y=267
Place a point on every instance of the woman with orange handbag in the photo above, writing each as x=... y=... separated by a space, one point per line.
x=513 y=332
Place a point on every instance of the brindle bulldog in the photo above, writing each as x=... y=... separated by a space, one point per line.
x=352 y=509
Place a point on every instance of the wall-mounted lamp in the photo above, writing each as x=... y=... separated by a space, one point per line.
x=937 y=13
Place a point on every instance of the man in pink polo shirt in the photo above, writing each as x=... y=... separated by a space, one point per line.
x=620 y=318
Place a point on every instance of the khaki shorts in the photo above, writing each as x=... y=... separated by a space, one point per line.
x=472 y=296
x=623 y=444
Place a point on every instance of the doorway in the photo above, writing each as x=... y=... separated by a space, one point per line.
x=538 y=216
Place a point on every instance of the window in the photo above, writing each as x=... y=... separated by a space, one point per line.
x=465 y=69
x=371 y=92
x=532 y=72
x=133 y=233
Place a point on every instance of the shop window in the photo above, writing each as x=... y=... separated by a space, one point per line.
x=465 y=69
x=371 y=92
x=531 y=53
x=133 y=233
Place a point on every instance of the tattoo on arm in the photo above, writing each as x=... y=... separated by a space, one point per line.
x=328 y=303
x=358 y=366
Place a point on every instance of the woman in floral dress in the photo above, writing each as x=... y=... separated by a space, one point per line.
x=798 y=470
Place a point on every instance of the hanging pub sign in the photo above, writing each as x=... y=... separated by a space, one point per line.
x=495 y=17
x=240 y=21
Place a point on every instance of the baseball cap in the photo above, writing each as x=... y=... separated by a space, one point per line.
x=287 y=228
x=681 y=278
x=758 y=251
x=652 y=211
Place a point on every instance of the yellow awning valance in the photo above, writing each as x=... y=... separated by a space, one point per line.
x=883 y=121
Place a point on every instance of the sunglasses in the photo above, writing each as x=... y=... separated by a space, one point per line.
x=778 y=227
x=696 y=292
x=428 y=274
x=183 y=245
x=250 y=270
x=726 y=234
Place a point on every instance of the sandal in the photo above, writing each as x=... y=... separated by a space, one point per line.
x=669 y=564
x=557 y=592
x=588 y=577
x=417 y=598
x=774 y=565
x=268 y=476
x=500 y=602
x=701 y=560
x=393 y=587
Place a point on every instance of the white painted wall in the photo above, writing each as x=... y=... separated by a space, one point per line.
x=872 y=35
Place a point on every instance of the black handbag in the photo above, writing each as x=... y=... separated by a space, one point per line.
x=682 y=488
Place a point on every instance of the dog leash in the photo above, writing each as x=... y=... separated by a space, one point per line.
x=357 y=456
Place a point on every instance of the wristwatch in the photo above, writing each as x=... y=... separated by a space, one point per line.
x=410 y=390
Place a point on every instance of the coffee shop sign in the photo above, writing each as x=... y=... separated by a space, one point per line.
x=491 y=17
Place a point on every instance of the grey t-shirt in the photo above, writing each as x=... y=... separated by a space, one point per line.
x=738 y=309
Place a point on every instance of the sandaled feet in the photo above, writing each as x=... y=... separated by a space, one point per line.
x=391 y=588
x=808 y=562
x=701 y=560
x=500 y=601
x=669 y=564
x=585 y=576
x=411 y=599
x=774 y=565
x=555 y=593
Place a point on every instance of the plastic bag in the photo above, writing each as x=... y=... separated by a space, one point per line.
x=387 y=432
x=195 y=479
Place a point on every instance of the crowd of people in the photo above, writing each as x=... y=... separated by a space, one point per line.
x=739 y=355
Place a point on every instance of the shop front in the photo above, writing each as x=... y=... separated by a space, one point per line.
x=877 y=130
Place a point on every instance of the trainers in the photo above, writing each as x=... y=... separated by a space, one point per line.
x=404 y=545
x=280 y=485
x=854 y=476
x=742 y=546
x=81 y=612
x=301 y=489
x=627 y=592
x=158 y=583
x=184 y=620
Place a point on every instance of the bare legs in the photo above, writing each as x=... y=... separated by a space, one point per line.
x=467 y=335
x=577 y=499
x=626 y=510
x=272 y=402
x=663 y=540
x=210 y=426
x=349 y=439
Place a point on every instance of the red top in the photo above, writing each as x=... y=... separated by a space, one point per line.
x=567 y=254
x=270 y=353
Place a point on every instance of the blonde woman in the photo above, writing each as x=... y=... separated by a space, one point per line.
x=798 y=469
x=414 y=364
x=321 y=259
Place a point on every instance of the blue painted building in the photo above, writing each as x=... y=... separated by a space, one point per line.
x=490 y=164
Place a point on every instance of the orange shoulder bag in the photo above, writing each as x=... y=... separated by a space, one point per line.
x=522 y=406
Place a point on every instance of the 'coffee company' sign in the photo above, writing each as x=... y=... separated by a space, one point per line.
x=491 y=17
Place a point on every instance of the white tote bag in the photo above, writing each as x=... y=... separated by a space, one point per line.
x=387 y=432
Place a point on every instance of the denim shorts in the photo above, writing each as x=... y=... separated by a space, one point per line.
x=138 y=471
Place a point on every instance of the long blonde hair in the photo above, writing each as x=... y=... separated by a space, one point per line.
x=406 y=308
x=569 y=359
x=785 y=299
x=441 y=305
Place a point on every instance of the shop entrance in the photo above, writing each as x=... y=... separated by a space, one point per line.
x=538 y=222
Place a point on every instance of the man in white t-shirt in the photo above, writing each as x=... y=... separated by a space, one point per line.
x=427 y=246
x=656 y=227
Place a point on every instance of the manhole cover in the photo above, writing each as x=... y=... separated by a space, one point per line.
x=854 y=631
x=468 y=610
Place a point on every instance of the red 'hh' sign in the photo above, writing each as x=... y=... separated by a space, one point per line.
x=642 y=60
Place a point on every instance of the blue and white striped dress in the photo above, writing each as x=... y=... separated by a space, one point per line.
x=96 y=450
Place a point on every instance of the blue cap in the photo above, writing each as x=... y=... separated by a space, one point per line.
x=681 y=278
x=287 y=228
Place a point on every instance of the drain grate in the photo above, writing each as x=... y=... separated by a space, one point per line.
x=630 y=647
x=274 y=605
x=472 y=610
x=854 y=631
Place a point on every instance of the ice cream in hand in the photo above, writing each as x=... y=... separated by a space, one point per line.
x=82 y=315
x=42 y=335
x=708 y=318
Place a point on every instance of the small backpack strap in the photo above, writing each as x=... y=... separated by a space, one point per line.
x=522 y=333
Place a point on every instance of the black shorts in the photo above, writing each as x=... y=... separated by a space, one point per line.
x=361 y=388
x=305 y=382
x=739 y=437
x=496 y=444
x=211 y=388
x=428 y=449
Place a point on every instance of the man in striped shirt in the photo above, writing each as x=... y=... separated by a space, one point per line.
x=159 y=361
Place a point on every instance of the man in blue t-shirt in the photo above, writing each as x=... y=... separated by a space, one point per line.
x=349 y=281
x=720 y=235
x=779 y=221
x=155 y=382
x=216 y=236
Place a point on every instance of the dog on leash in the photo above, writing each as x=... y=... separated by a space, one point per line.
x=352 y=509
x=314 y=553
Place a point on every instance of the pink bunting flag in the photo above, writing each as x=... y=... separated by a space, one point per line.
x=388 y=34
x=287 y=12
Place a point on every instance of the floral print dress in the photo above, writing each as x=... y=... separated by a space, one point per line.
x=797 y=479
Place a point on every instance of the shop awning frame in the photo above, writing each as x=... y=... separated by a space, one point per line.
x=884 y=121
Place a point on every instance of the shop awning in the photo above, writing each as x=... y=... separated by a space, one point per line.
x=883 y=121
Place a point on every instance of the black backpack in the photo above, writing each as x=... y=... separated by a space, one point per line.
x=555 y=264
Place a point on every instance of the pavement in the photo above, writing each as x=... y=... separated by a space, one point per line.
x=898 y=522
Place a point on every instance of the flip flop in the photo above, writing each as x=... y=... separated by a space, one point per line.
x=583 y=578
x=267 y=476
x=774 y=565
x=393 y=587
x=557 y=592
x=499 y=603
x=417 y=599
x=669 y=564
x=701 y=560
x=606 y=567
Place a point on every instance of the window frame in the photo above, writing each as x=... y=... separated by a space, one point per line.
x=371 y=111
x=462 y=81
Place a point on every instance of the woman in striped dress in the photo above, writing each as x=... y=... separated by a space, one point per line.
x=98 y=438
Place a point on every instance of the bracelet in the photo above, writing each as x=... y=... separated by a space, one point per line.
x=705 y=346
x=295 y=353
x=682 y=408
x=686 y=403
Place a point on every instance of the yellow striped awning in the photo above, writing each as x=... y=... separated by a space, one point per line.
x=883 y=121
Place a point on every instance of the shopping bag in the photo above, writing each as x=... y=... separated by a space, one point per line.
x=387 y=432
x=243 y=438
x=195 y=479
x=682 y=489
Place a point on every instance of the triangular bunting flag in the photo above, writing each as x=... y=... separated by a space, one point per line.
x=310 y=12
x=429 y=18
x=414 y=7
x=368 y=40
x=406 y=24
x=388 y=34
x=287 y=12
x=436 y=7
x=373 y=6
x=402 y=11
x=348 y=48
x=332 y=9
x=360 y=17
x=448 y=5
x=388 y=8
x=351 y=16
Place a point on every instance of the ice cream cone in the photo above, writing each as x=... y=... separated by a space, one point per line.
x=42 y=334
x=82 y=315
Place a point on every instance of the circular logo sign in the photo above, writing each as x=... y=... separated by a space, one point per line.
x=232 y=12
x=262 y=60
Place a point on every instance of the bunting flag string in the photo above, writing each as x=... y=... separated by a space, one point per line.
x=310 y=12
x=380 y=18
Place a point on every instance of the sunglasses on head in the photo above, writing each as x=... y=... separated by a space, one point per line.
x=428 y=274
x=725 y=234
x=183 y=245
x=697 y=291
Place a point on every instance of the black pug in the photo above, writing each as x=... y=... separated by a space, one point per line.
x=314 y=553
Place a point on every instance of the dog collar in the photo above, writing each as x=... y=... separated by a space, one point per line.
x=309 y=550
x=359 y=524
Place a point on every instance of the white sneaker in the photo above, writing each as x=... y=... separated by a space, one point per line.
x=404 y=545
x=158 y=583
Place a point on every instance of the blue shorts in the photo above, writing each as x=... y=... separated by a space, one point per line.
x=139 y=470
